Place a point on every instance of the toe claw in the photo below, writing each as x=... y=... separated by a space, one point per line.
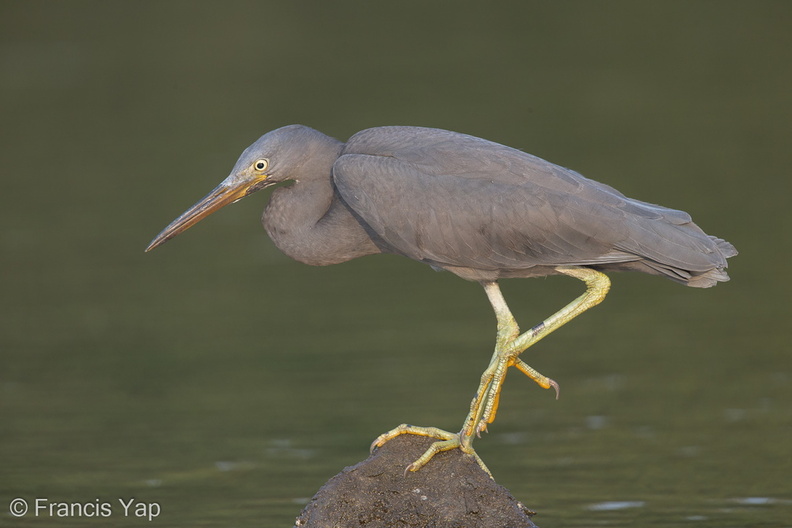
x=482 y=428
x=555 y=386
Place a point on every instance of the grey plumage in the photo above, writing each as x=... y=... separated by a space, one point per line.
x=476 y=208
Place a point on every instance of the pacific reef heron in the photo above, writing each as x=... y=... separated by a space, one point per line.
x=478 y=209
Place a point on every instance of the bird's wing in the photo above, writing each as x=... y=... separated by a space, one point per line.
x=456 y=200
x=452 y=220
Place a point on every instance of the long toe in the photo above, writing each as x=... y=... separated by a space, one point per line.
x=446 y=441
x=431 y=432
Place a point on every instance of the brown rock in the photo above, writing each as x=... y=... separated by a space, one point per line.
x=451 y=491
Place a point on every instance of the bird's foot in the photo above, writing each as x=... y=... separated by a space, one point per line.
x=484 y=406
x=446 y=442
x=540 y=379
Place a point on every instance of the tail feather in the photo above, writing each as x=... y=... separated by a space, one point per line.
x=725 y=249
x=699 y=279
x=708 y=279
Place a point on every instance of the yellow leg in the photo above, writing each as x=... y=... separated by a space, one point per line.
x=509 y=345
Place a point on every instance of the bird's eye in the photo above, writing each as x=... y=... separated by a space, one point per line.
x=261 y=165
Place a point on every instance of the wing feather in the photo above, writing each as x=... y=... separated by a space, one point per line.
x=458 y=201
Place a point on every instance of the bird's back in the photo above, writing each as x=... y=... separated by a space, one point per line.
x=485 y=211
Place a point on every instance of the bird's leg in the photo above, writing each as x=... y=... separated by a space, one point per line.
x=495 y=374
x=485 y=404
x=507 y=332
x=509 y=345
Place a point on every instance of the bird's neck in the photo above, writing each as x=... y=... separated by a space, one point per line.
x=308 y=222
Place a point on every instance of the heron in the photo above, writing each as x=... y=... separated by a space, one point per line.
x=478 y=209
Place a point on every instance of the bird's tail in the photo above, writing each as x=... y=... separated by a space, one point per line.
x=718 y=274
x=700 y=279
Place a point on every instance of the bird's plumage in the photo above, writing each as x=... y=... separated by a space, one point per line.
x=476 y=208
x=485 y=211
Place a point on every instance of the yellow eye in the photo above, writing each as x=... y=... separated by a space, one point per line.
x=261 y=165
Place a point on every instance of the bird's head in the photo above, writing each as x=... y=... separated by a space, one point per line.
x=275 y=157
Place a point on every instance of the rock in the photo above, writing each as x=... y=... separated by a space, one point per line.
x=451 y=491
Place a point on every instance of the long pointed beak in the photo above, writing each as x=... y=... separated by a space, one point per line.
x=221 y=196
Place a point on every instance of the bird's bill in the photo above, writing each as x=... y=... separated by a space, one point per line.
x=221 y=196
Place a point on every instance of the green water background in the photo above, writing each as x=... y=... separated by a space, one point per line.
x=225 y=382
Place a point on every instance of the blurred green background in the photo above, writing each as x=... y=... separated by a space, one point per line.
x=226 y=383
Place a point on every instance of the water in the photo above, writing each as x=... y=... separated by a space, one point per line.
x=224 y=383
